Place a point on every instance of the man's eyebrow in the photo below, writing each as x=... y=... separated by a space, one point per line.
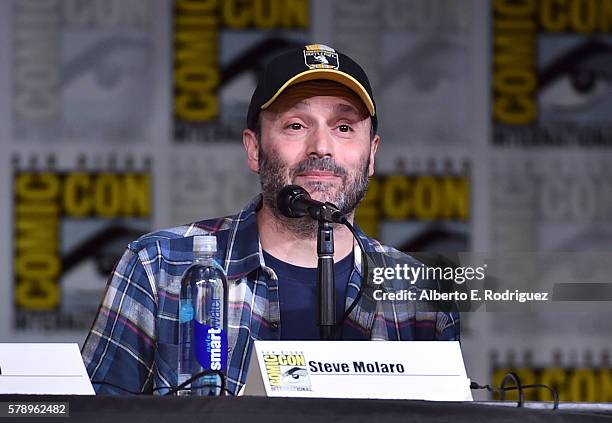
x=302 y=104
x=344 y=108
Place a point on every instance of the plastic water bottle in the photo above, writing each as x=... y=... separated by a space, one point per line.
x=203 y=320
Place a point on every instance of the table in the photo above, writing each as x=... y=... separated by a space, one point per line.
x=149 y=409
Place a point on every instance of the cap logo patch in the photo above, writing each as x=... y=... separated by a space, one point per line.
x=319 y=56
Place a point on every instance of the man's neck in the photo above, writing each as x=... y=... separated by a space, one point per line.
x=280 y=242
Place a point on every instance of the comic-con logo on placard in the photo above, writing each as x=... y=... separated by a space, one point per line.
x=287 y=371
x=319 y=56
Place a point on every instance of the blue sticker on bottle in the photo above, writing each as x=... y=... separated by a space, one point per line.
x=185 y=312
x=210 y=346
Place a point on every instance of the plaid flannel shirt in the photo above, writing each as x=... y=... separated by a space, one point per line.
x=133 y=342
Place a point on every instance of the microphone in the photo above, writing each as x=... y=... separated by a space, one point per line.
x=294 y=201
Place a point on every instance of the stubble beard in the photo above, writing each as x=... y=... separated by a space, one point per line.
x=275 y=175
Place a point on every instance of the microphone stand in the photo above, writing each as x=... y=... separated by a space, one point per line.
x=326 y=287
x=294 y=201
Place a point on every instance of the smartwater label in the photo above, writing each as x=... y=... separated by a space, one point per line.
x=210 y=346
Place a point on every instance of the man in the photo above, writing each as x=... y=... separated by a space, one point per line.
x=311 y=122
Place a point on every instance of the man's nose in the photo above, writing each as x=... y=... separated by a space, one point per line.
x=320 y=143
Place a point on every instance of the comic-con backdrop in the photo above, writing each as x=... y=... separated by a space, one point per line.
x=118 y=117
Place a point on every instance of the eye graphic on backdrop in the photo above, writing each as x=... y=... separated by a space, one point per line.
x=109 y=60
x=105 y=247
x=426 y=64
x=578 y=79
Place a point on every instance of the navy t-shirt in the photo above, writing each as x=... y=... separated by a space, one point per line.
x=297 y=291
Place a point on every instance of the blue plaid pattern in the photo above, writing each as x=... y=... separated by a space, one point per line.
x=133 y=342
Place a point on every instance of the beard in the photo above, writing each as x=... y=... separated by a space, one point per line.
x=275 y=175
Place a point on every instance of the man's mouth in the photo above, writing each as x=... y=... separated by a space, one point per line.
x=318 y=175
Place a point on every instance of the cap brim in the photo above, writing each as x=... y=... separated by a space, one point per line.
x=329 y=74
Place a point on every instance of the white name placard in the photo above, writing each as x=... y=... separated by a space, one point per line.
x=424 y=370
x=53 y=369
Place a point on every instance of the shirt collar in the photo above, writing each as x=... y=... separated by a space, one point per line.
x=244 y=249
x=242 y=252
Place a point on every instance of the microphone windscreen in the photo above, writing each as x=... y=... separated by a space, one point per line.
x=286 y=197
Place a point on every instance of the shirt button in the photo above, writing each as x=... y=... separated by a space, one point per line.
x=274 y=326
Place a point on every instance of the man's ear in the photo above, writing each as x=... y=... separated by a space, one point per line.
x=373 y=149
x=249 y=139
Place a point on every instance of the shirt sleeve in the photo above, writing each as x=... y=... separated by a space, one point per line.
x=119 y=350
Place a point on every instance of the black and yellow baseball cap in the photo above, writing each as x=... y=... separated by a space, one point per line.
x=311 y=62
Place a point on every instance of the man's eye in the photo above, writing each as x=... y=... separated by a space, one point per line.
x=344 y=128
x=296 y=126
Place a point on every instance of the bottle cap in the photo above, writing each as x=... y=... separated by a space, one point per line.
x=205 y=243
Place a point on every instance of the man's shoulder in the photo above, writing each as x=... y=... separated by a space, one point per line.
x=387 y=255
x=179 y=236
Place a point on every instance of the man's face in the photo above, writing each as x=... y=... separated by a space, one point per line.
x=316 y=135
